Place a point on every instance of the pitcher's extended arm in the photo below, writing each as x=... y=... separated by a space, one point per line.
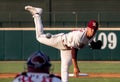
x=74 y=61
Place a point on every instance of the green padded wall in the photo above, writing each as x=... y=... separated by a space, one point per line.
x=18 y=45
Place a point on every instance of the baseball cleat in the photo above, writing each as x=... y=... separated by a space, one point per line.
x=33 y=10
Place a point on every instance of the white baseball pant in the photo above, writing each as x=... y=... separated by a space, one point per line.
x=56 y=42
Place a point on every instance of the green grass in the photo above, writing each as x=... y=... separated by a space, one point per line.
x=6 y=80
x=99 y=67
x=85 y=67
x=12 y=66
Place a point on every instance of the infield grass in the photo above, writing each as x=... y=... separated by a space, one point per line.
x=85 y=67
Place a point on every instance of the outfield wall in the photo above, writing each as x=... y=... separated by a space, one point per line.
x=19 y=43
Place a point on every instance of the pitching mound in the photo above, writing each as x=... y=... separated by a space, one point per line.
x=81 y=75
x=94 y=75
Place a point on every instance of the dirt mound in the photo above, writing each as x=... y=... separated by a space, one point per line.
x=90 y=75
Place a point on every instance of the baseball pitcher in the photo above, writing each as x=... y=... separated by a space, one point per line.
x=68 y=43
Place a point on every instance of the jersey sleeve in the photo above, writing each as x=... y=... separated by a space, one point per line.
x=56 y=79
x=74 y=39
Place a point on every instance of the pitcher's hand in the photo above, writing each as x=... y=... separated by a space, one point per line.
x=76 y=72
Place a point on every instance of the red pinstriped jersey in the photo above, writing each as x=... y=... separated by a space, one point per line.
x=36 y=77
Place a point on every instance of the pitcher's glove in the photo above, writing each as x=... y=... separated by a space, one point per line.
x=96 y=45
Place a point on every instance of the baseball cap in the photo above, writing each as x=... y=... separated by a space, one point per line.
x=93 y=24
x=38 y=60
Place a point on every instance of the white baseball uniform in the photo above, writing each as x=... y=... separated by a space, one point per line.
x=76 y=39
x=36 y=77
